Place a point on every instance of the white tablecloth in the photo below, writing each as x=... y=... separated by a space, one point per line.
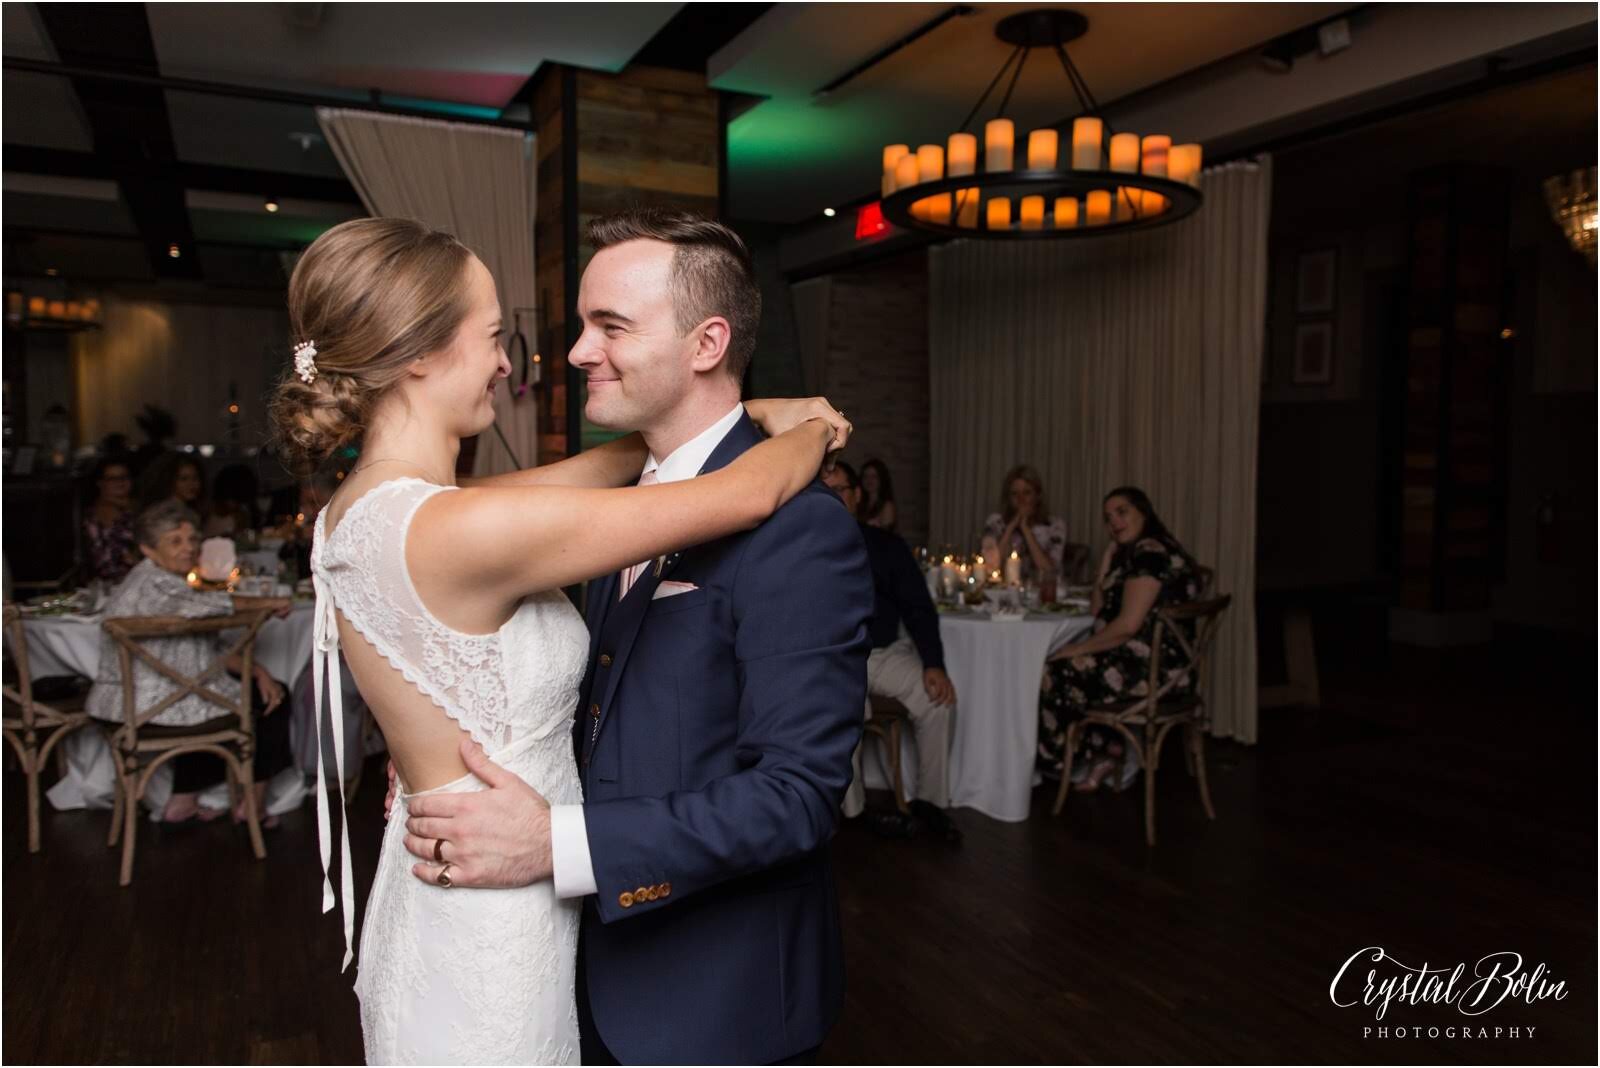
x=996 y=669
x=70 y=645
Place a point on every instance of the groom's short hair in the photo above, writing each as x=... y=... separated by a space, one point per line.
x=711 y=272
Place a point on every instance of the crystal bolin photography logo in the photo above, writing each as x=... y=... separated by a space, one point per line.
x=1494 y=980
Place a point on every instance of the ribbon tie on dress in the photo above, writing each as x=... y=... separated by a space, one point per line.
x=325 y=662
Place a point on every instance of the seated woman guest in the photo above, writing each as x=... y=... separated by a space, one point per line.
x=175 y=476
x=1143 y=568
x=233 y=502
x=1025 y=526
x=108 y=544
x=877 y=496
x=169 y=540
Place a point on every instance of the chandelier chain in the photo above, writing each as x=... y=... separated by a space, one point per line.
x=1001 y=73
x=1014 y=76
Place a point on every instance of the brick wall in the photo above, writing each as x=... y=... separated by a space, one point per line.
x=876 y=372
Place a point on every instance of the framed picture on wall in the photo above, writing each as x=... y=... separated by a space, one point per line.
x=1316 y=281
x=1313 y=354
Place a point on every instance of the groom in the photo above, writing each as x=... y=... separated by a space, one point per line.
x=721 y=704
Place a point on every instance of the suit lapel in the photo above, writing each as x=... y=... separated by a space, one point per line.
x=615 y=623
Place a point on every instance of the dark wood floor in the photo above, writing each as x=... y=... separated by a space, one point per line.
x=1440 y=805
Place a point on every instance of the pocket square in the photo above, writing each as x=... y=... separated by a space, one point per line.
x=669 y=588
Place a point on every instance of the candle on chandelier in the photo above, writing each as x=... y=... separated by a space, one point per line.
x=961 y=154
x=1066 y=213
x=1097 y=207
x=939 y=209
x=1125 y=152
x=1154 y=152
x=1030 y=213
x=930 y=163
x=1087 y=137
x=892 y=155
x=999 y=138
x=905 y=171
x=1183 y=164
x=1125 y=203
x=967 y=208
x=999 y=209
x=1042 y=145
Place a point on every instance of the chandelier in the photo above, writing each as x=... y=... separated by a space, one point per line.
x=1572 y=205
x=1102 y=182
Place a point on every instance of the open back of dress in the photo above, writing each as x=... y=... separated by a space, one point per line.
x=453 y=975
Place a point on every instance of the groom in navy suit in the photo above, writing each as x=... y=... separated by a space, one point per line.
x=722 y=700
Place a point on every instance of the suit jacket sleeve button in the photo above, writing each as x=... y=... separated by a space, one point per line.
x=666 y=889
x=625 y=899
x=642 y=893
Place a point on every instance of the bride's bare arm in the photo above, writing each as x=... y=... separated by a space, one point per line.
x=503 y=543
x=616 y=463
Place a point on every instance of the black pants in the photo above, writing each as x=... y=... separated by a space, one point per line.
x=193 y=772
x=594 y=1049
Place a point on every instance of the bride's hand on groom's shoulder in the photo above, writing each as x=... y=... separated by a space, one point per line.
x=495 y=838
x=775 y=415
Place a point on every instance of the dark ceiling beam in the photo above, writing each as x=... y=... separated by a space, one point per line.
x=128 y=122
x=60 y=163
x=95 y=72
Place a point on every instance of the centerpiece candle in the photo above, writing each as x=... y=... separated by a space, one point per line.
x=1014 y=570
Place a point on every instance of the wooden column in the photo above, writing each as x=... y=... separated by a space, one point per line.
x=646 y=136
x=1453 y=487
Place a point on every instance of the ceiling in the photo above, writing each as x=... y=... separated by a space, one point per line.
x=139 y=168
x=69 y=143
x=793 y=154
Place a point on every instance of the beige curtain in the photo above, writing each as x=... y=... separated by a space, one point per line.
x=1132 y=360
x=476 y=182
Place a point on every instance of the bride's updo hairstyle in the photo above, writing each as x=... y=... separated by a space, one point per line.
x=370 y=296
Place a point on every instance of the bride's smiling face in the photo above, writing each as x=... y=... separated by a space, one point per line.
x=461 y=379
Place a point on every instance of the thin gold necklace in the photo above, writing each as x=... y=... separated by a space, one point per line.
x=390 y=460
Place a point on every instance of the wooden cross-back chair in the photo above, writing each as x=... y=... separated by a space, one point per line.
x=140 y=746
x=33 y=727
x=887 y=724
x=1145 y=722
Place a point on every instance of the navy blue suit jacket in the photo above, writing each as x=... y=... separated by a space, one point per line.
x=714 y=740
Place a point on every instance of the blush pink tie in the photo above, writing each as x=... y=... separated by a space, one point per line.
x=631 y=575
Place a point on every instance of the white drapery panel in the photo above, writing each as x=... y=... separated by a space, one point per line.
x=476 y=182
x=1133 y=360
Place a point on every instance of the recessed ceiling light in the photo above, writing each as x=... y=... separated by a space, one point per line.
x=174 y=251
x=51 y=271
x=829 y=212
x=271 y=205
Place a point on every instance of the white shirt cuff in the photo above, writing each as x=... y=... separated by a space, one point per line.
x=571 y=869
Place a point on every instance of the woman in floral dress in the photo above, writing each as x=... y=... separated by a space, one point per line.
x=1143 y=568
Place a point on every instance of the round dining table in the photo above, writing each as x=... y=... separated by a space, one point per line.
x=995 y=666
x=70 y=645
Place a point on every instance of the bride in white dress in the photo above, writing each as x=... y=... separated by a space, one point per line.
x=446 y=603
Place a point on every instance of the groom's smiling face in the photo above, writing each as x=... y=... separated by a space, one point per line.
x=638 y=364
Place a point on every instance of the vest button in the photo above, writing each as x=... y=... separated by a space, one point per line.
x=605 y=659
x=594 y=710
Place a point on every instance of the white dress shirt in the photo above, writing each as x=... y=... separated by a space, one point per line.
x=572 y=869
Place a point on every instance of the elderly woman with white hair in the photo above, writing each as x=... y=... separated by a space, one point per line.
x=169 y=540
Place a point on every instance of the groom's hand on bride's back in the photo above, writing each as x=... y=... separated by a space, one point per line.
x=498 y=837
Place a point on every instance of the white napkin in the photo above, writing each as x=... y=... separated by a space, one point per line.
x=217 y=559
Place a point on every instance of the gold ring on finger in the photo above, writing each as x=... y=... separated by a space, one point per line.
x=444 y=879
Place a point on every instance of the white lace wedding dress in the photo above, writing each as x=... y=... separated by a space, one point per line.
x=455 y=976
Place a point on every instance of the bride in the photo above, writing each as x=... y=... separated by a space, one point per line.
x=447 y=605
